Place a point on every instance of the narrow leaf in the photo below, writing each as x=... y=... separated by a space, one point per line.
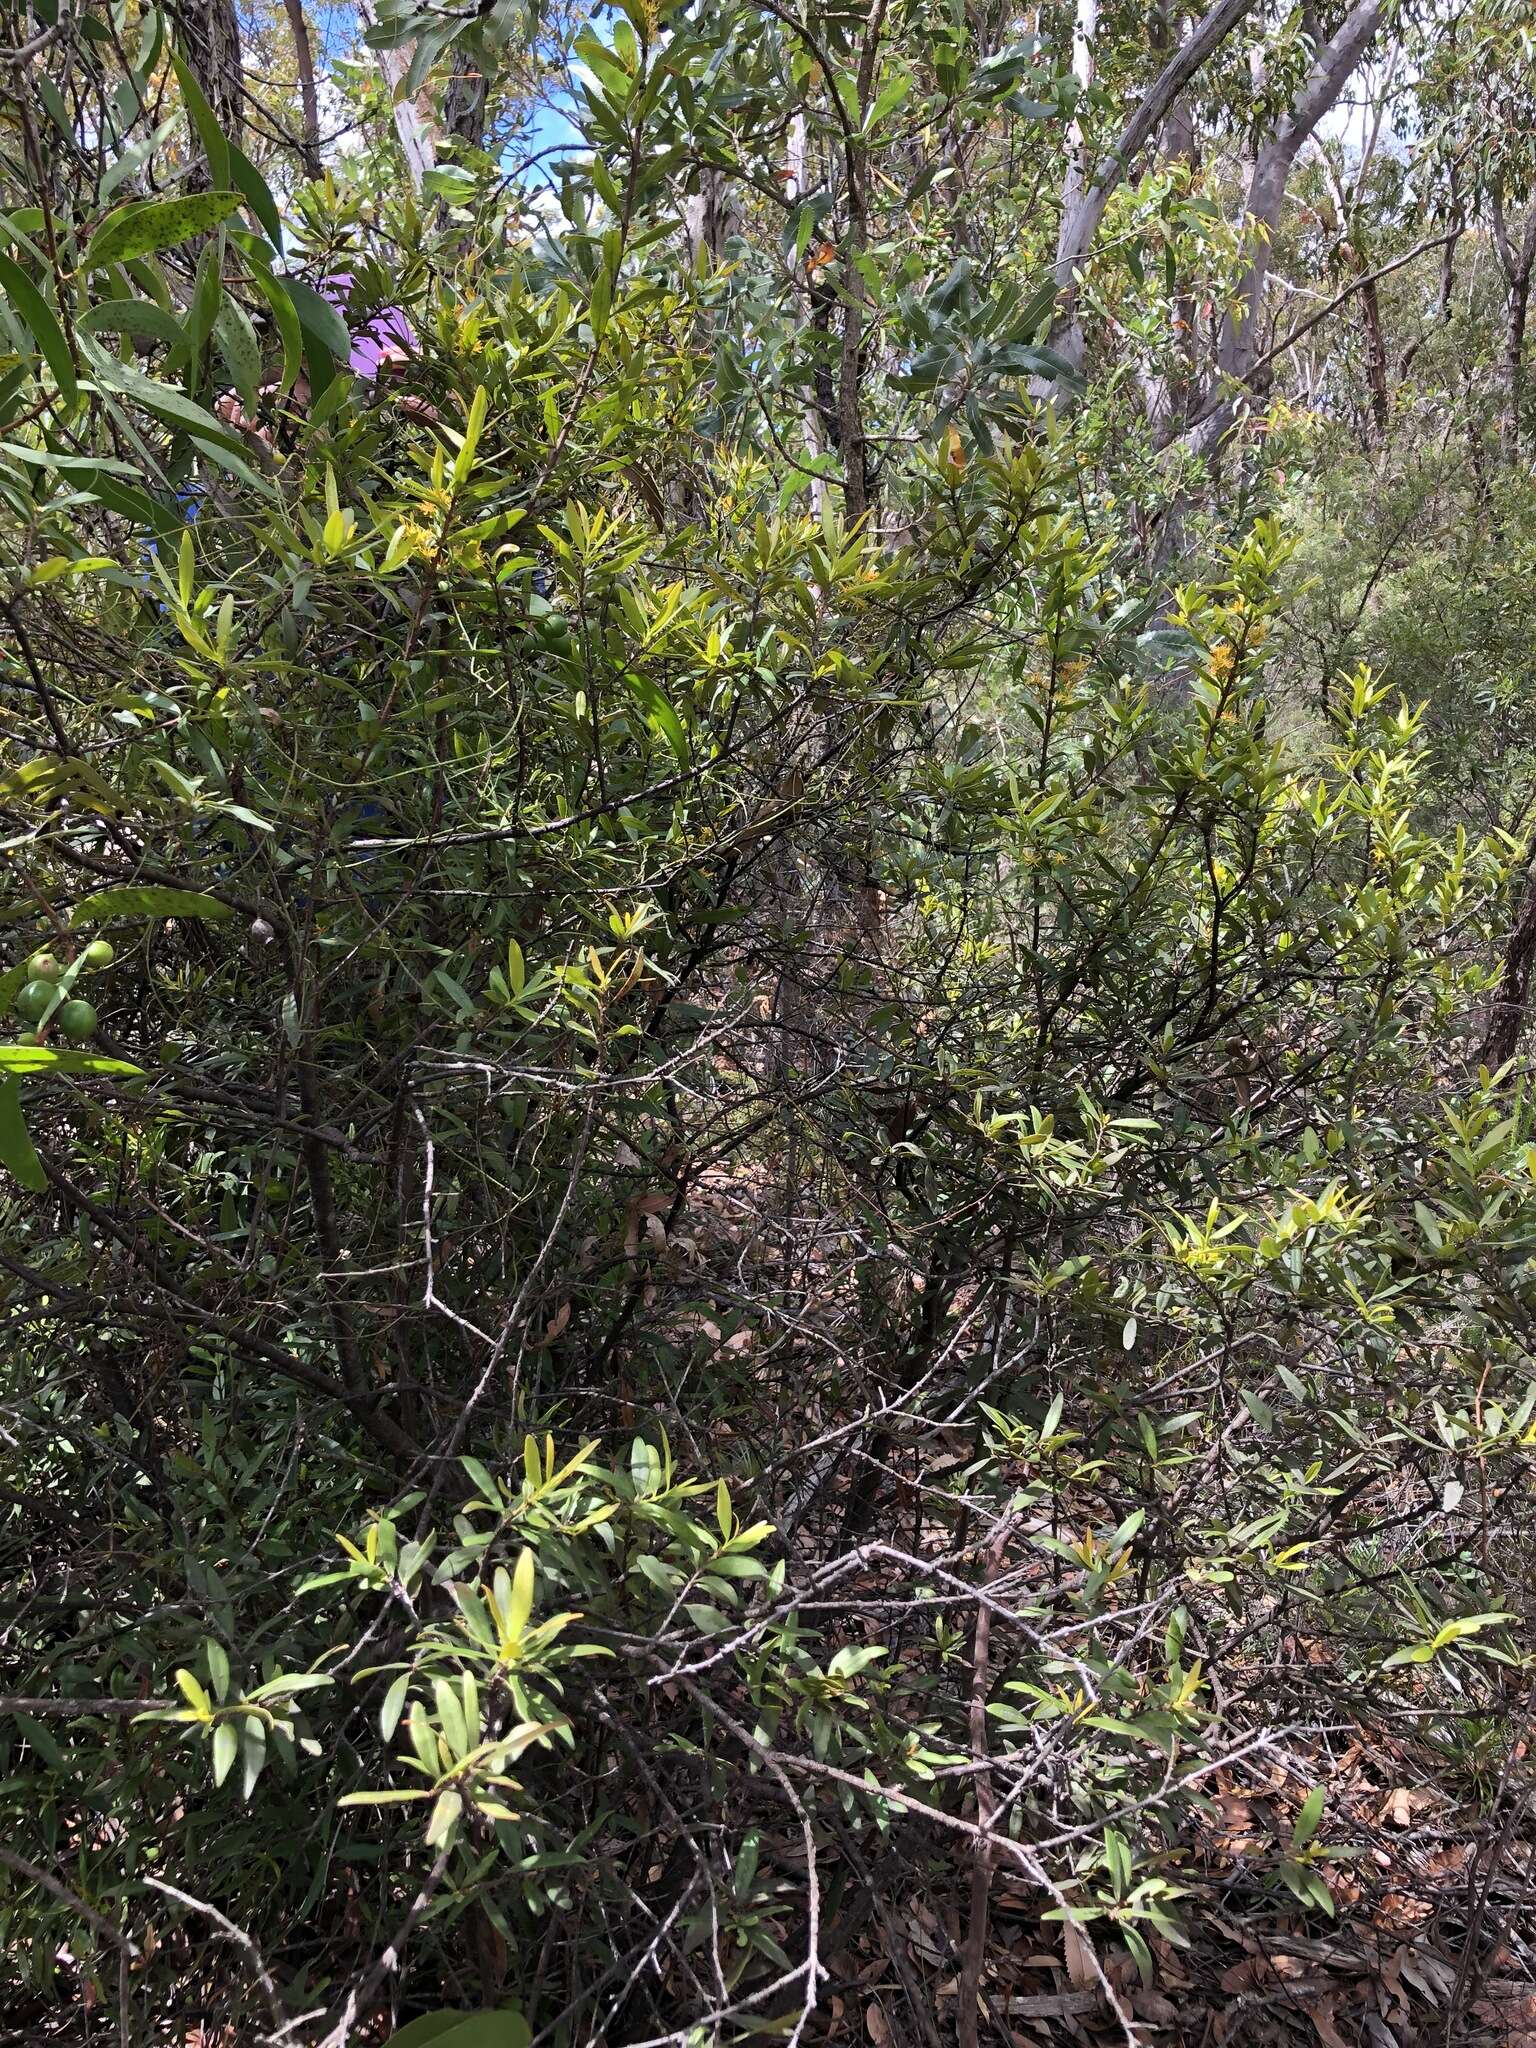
x=145 y=225
x=149 y=902
x=16 y=1149
x=30 y=305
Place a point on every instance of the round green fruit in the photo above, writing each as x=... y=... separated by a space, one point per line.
x=33 y=1000
x=28 y=1038
x=44 y=967
x=77 y=1020
x=99 y=953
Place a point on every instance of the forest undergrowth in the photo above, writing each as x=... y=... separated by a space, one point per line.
x=767 y=1181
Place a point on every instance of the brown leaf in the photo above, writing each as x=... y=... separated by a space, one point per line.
x=1152 y=2006
x=1256 y=1971
x=1320 y=2012
x=556 y=1323
x=1079 y=1954
x=1508 y=2010
x=1397 y=1809
x=876 y=2025
x=1247 y=1975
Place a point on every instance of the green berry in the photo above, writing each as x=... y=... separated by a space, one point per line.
x=99 y=953
x=33 y=1000
x=77 y=1020
x=28 y=1038
x=44 y=967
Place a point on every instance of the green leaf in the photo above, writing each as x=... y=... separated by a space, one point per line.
x=60 y=1059
x=507 y=2029
x=432 y=2026
x=892 y=93
x=253 y=1750
x=209 y=133
x=318 y=318
x=444 y=1818
x=208 y=293
x=145 y=225
x=226 y=1744
x=450 y=1716
x=149 y=902
x=286 y=321
x=171 y=407
x=1311 y=1813
x=381 y=1798
x=489 y=1490
x=464 y=461
x=41 y=320
x=489 y=2030
x=132 y=316
x=218 y=1667
x=129 y=504
x=522 y=1594
x=192 y=1691
x=16 y=1148
x=660 y=712
x=237 y=344
x=394 y=1705
x=257 y=194
x=288 y=1683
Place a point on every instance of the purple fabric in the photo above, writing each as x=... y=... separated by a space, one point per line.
x=388 y=329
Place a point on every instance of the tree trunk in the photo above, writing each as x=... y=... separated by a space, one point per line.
x=1238 y=350
x=1166 y=394
x=1079 y=220
x=1509 y=1005
x=466 y=100
x=1514 y=364
x=1518 y=261
x=710 y=218
x=304 y=59
x=1084 y=200
x=852 y=445
x=799 y=185
x=415 y=118
x=1375 y=360
x=211 y=32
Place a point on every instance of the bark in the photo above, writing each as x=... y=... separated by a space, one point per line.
x=1353 y=230
x=1514 y=365
x=415 y=118
x=710 y=218
x=852 y=444
x=1508 y=1018
x=1375 y=359
x=799 y=185
x=1076 y=206
x=1238 y=349
x=1449 y=242
x=466 y=100
x=1517 y=260
x=1240 y=362
x=1084 y=198
x=1166 y=394
x=211 y=32
x=304 y=59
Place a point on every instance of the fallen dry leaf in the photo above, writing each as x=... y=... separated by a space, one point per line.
x=1079 y=1955
x=556 y=1323
x=1320 y=2012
